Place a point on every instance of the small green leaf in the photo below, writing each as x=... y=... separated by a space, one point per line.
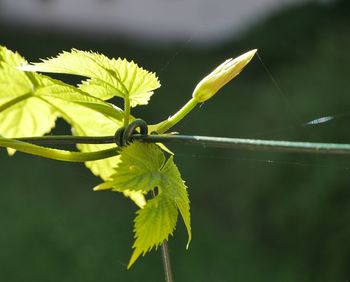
x=153 y=224
x=108 y=77
x=142 y=167
x=139 y=169
x=175 y=187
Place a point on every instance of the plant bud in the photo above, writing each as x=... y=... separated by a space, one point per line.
x=213 y=82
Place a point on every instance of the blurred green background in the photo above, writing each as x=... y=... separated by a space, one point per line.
x=255 y=216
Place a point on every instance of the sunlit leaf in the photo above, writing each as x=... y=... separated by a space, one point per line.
x=175 y=187
x=108 y=77
x=21 y=113
x=27 y=100
x=153 y=224
x=139 y=169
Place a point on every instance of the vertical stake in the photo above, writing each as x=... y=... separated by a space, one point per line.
x=165 y=254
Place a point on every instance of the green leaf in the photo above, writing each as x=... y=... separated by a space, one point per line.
x=177 y=190
x=53 y=90
x=21 y=103
x=27 y=100
x=20 y=121
x=108 y=77
x=21 y=113
x=142 y=167
x=139 y=169
x=31 y=117
x=153 y=224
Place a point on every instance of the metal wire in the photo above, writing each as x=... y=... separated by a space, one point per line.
x=127 y=134
x=204 y=141
x=250 y=144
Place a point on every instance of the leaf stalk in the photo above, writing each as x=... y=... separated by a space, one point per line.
x=60 y=155
x=126 y=111
x=179 y=115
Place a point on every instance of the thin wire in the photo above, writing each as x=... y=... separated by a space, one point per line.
x=316 y=121
x=176 y=54
x=264 y=161
x=205 y=141
x=280 y=91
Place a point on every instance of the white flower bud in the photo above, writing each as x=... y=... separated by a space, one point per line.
x=213 y=82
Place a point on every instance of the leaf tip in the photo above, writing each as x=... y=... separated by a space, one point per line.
x=133 y=258
x=102 y=186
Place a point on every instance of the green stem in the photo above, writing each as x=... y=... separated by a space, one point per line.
x=171 y=121
x=126 y=111
x=15 y=101
x=60 y=155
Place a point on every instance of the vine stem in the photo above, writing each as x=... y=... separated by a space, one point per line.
x=165 y=255
x=126 y=111
x=179 y=115
x=59 y=155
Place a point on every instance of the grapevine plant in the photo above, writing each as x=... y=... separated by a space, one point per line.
x=31 y=102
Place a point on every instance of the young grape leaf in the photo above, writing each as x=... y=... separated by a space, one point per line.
x=21 y=113
x=142 y=167
x=153 y=224
x=178 y=192
x=108 y=77
x=28 y=88
x=27 y=100
x=138 y=170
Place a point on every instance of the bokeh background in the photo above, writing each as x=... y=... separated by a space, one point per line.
x=255 y=216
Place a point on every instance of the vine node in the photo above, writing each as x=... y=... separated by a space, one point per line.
x=124 y=135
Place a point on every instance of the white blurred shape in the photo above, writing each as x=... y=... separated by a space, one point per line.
x=203 y=21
